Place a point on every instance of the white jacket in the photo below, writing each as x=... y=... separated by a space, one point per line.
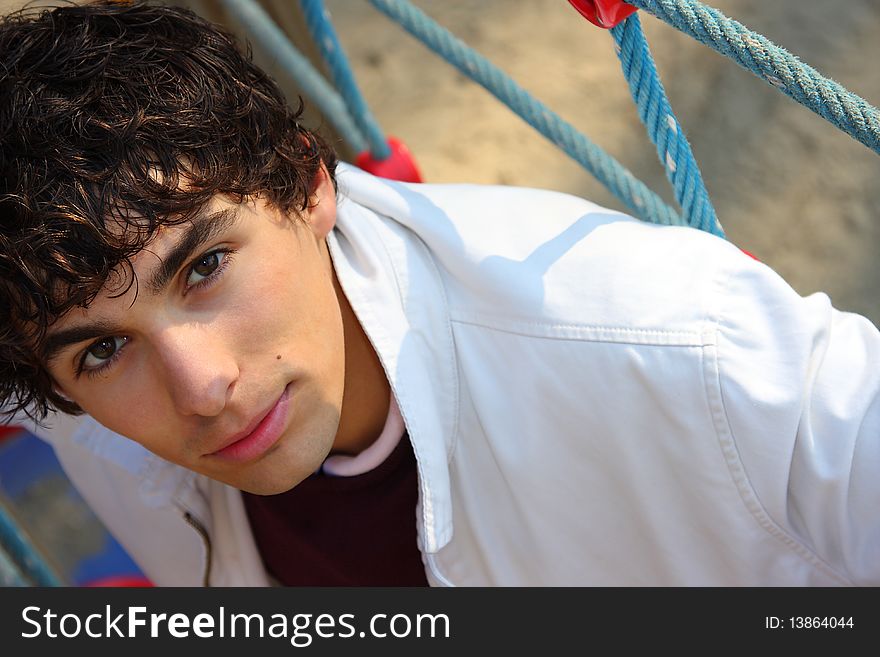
x=592 y=400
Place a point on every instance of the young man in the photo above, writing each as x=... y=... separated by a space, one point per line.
x=397 y=384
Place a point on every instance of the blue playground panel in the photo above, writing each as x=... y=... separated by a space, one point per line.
x=57 y=520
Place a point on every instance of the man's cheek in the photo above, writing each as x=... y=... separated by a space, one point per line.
x=130 y=407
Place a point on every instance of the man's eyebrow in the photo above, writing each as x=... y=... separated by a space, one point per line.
x=58 y=340
x=202 y=228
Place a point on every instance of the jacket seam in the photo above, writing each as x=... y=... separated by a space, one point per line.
x=192 y=520
x=435 y=571
x=627 y=335
x=736 y=468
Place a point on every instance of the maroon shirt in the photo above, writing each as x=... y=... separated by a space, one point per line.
x=344 y=531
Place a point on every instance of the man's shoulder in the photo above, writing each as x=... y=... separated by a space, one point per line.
x=542 y=257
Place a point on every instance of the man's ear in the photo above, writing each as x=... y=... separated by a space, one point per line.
x=58 y=390
x=321 y=213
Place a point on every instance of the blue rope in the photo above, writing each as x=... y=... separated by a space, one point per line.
x=663 y=128
x=310 y=81
x=318 y=21
x=754 y=52
x=632 y=192
x=22 y=554
x=844 y=109
x=10 y=573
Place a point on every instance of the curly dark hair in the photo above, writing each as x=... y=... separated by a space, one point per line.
x=121 y=115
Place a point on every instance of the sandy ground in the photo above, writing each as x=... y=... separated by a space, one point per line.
x=787 y=186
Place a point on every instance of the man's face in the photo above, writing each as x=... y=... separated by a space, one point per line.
x=226 y=356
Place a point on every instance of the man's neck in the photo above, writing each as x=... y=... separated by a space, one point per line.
x=367 y=392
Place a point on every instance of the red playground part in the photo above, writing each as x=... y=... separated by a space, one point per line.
x=8 y=432
x=126 y=581
x=604 y=13
x=398 y=166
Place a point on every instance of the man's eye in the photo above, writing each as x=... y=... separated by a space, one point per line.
x=205 y=267
x=101 y=351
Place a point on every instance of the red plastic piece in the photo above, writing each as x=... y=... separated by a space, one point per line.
x=8 y=432
x=397 y=166
x=604 y=13
x=117 y=581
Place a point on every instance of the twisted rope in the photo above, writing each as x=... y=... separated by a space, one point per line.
x=10 y=573
x=844 y=109
x=655 y=112
x=21 y=555
x=324 y=35
x=632 y=192
x=268 y=35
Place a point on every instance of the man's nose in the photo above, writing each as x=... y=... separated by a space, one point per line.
x=199 y=366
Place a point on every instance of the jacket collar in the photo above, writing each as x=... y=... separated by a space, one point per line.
x=396 y=292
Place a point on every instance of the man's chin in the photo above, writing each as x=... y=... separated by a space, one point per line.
x=280 y=471
x=273 y=487
x=298 y=454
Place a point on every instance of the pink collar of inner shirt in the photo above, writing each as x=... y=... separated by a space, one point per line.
x=342 y=465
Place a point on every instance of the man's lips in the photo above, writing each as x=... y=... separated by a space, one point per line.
x=260 y=435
